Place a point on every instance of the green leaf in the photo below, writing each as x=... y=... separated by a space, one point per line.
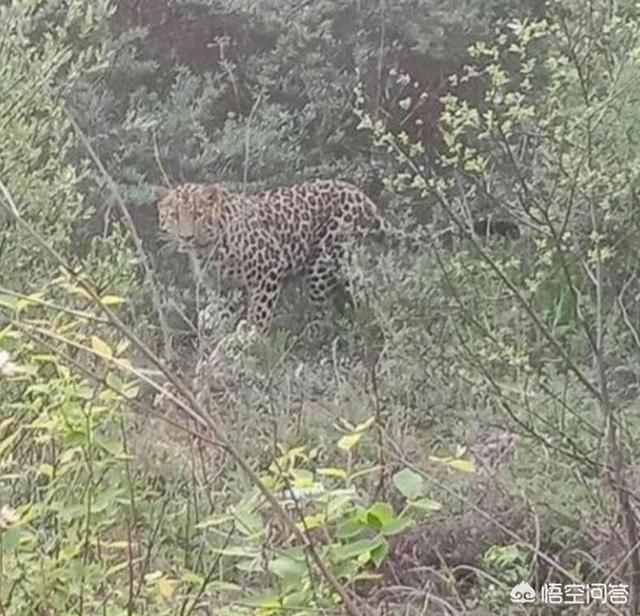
x=365 y=425
x=380 y=553
x=192 y=579
x=410 y=484
x=330 y=471
x=70 y=551
x=339 y=500
x=302 y=478
x=44 y=358
x=345 y=569
x=288 y=568
x=250 y=566
x=426 y=504
x=357 y=549
x=118 y=567
x=77 y=290
x=115 y=382
x=349 y=441
x=9 y=301
x=101 y=347
x=111 y=300
x=466 y=466
x=396 y=526
x=366 y=576
x=349 y=528
x=458 y=464
x=46 y=470
x=248 y=518
x=298 y=599
x=379 y=515
x=225 y=586
x=238 y=551
x=312 y=521
x=166 y=587
x=153 y=576
x=265 y=602
x=30 y=300
x=11 y=539
x=215 y=521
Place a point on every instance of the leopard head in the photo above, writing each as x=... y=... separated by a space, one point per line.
x=191 y=213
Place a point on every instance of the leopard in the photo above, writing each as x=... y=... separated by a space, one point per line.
x=258 y=241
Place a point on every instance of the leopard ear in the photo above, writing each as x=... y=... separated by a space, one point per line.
x=214 y=191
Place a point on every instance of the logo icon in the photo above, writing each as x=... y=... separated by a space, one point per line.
x=522 y=593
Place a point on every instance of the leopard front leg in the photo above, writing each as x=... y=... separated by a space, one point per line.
x=263 y=292
x=327 y=278
x=322 y=279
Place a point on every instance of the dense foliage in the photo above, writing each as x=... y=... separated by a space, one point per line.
x=469 y=421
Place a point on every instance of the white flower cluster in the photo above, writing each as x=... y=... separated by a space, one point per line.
x=7 y=367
